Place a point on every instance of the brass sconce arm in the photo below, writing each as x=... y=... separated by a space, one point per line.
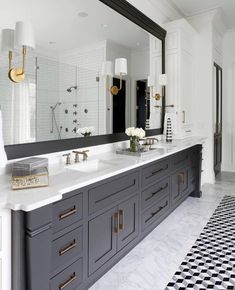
x=17 y=75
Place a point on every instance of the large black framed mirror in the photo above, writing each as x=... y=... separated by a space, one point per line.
x=66 y=90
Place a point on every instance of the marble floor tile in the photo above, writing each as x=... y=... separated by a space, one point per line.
x=152 y=263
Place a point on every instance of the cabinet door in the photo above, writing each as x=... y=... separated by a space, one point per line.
x=128 y=221
x=180 y=185
x=102 y=239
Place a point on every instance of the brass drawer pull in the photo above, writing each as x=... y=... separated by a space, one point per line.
x=181 y=176
x=116 y=223
x=158 y=171
x=69 y=248
x=67 y=283
x=68 y=213
x=156 y=192
x=156 y=212
x=121 y=220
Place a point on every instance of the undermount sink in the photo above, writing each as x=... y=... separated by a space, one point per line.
x=91 y=166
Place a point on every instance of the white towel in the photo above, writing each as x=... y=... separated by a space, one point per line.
x=173 y=118
x=3 y=156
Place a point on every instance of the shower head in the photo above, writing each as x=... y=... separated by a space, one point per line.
x=69 y=90
x=54 y=107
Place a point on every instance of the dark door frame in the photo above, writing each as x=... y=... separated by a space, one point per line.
x=218 y=128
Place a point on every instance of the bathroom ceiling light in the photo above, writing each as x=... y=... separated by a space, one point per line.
x=103 y=25
x=82 y=14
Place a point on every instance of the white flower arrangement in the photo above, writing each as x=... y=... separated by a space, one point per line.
x=86 y=131
x=135 y=132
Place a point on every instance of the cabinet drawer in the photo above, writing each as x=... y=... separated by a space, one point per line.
x=155 y=212
x=155 y=171
x=66 y=248
x=155 y=193
x=69 y=279
x=181 y=160
x=108 y=193
x=66 y=212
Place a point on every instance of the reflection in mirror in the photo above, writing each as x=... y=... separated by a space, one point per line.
x=93 y=72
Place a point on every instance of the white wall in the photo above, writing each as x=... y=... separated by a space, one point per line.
x=229 y=102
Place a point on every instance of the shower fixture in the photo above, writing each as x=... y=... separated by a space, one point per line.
x=54 y=120
x=69 y=90
x=54 y=107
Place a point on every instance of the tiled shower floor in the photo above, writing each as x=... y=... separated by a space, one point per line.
x=151 y=265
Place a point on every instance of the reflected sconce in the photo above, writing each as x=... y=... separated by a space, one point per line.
x=162 y=81
x=22 y=37
x=120 y=71
x=151 y=85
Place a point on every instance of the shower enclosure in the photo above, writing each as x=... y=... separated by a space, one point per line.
x=52 y=103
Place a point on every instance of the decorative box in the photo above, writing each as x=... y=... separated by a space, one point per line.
x=30 y=173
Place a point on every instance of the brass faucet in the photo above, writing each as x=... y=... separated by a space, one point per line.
x=68 y=159
x=77 y=153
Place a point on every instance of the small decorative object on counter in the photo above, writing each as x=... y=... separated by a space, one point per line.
x=86 y=131
x=30 y=173
x=135 y=135
x=168 y=130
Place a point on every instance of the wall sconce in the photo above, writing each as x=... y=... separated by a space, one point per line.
x=162 y=81
x=120 y=70
x=22 y=37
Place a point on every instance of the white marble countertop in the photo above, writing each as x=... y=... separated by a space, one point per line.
x=65 y=179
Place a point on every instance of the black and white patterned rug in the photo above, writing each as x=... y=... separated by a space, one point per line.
x=210 y=264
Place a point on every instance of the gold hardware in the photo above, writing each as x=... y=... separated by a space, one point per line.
x=69 y=248
x=72 y=278
x=17 y=75
x=184 y=117
x=170 y=106
x=121 y=220
x=157 y=97
x=116 y=223
x=158 y=107
x=68 y=213
x=84 y=153
x=68 y=160
x=181 y=175
x=114 y=90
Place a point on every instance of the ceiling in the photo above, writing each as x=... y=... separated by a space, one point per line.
x=193 y=7
x=58 y=27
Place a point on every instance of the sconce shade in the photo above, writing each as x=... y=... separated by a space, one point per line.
x=162 y=80
x=107 y=68
x=151 y=82
x=7 y=43
x=24 y=35
x=120 y=66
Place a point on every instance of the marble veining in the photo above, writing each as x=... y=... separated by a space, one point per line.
x=152 y=263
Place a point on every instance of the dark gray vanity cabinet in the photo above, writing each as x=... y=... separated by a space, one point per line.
x=112 y=231
x=70 y=244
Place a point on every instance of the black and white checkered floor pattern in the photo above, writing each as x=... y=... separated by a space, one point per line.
x=210 y=264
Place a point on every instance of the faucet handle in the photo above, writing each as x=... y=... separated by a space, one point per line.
x=76 y=159
x=68 y=159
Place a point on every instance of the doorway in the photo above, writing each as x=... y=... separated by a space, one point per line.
x=142 y=105
x=119 y=107
x=218 y=80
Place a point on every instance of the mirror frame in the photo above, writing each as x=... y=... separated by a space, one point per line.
x=38 y=148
